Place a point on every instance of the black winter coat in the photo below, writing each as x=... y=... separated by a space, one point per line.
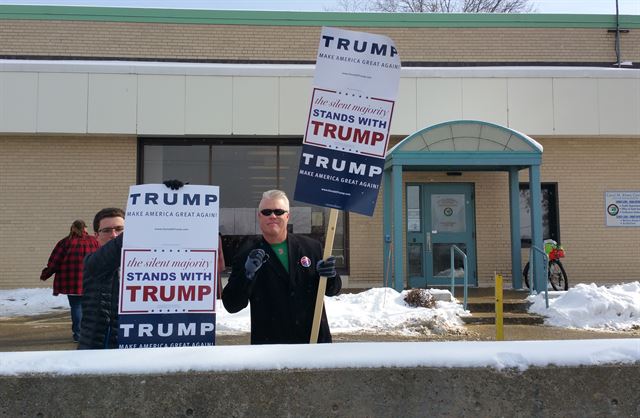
x=282 y=304
x=99 y=326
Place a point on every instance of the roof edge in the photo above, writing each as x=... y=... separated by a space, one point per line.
x=286 y=18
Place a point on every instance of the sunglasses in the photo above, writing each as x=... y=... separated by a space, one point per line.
x=278 y=212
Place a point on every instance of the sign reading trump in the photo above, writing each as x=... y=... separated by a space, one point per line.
x=169 y=267
x=355 y=88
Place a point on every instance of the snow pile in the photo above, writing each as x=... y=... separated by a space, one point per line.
x=589 y=306
x=237 y=323
x=384 y=311
x=29 y=302
x=378 y=310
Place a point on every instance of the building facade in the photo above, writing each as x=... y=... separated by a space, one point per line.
x=93 y=100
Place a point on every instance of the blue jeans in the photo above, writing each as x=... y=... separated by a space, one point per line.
x=75 y=303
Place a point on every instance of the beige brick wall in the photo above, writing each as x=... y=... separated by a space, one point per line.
x=46 y=182
x=583 y=168
x=365 y=244
x=296 y=43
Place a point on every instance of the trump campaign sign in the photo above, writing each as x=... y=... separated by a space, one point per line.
x=355 y=88
x=169 y=267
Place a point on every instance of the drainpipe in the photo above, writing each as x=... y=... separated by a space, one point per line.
x=617 y=31
x=618 y=35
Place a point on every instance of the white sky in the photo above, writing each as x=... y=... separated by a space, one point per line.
x=542 y=6
x=379 y=311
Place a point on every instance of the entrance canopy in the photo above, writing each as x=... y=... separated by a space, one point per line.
x=465 y=144
x=462 y=145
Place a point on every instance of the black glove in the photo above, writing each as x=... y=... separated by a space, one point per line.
x=255 y=260
x=327 y=268
x=173 y=184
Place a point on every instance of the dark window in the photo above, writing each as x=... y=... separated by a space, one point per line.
x=243 y=170
x=550 y=219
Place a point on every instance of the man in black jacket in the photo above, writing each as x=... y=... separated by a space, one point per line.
x=279 y=274
x=99 y=326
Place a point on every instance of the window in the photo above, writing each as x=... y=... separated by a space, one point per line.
x=243 y=170
x=413 y=209
x=550 y=219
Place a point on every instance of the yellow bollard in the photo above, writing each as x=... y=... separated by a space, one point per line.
x=499 y=314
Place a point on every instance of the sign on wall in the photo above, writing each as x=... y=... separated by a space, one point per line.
x=622 y=208
x=355 y=88
x=169 y=267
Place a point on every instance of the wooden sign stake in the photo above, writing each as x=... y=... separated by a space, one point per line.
x=322 y=286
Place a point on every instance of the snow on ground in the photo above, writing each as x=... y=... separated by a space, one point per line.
x=377 y=310
x=499 y=355
x=27 y=302
x=383 y=310
x=589 y=306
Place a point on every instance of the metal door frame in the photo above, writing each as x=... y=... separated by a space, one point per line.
x=424 y=238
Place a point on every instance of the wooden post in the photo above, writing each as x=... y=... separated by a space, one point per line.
x=322 y=286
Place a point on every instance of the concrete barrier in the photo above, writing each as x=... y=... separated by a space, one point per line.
x=563 y=378
x=582 y=391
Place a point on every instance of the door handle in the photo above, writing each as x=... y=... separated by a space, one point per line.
x=429 y=241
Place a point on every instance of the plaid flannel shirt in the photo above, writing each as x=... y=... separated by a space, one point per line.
x=66 y=262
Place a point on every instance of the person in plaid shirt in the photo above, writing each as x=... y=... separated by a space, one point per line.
x=66 y=262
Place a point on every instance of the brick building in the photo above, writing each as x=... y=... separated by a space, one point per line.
x=93 y=100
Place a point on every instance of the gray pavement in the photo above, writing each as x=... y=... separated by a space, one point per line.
x=53 y=332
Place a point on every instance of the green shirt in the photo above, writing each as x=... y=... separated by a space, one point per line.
x=282 y=252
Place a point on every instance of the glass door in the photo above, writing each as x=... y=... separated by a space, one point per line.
x=446 y=217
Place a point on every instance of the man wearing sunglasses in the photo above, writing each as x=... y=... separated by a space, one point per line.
x=278 y=273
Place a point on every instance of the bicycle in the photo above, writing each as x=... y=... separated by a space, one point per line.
x=555 y=272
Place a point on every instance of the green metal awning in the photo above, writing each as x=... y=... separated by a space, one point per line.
x=465 y=144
